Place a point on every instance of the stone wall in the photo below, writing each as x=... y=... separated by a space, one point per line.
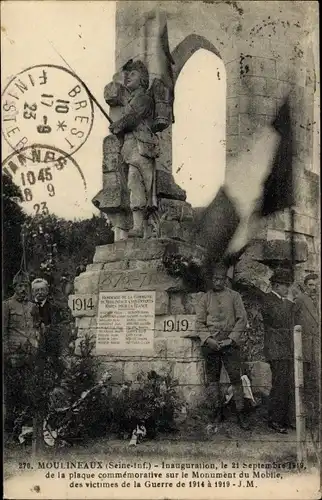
x=268 y=53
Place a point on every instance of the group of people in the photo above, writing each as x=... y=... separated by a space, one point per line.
x=221 y=322
x=30 y=342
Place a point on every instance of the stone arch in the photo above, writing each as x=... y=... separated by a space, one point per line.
x=198 y=149
x=185 y=49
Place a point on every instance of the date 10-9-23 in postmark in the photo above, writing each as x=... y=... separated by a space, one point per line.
x=42 y=172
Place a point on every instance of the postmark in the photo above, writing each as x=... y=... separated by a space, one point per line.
x=50 y=181
x=46 y=104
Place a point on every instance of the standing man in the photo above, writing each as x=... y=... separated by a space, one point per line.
x=18 y=314
x=278 y=321
x=20 y=343
x=48 y=317
x=49 y=365
x=277 y=312
x=306 y=314
x=220 y=323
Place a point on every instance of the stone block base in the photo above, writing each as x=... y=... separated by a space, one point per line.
x=137 y=265
x=140 y=249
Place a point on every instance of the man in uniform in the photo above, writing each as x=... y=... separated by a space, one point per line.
x=140 y=145
x=20 y=343
x=221 y=321
x=306 y=314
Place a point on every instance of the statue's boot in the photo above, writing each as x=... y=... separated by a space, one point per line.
x=138 y=224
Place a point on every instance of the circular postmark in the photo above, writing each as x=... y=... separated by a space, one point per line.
x=50 y=181
x=49 y=105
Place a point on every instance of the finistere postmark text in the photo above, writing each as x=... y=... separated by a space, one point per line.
x=46 y=104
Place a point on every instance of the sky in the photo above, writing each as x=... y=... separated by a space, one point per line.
x=199 y=152
x=83 y=33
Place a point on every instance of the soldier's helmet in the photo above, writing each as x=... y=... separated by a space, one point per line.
x=21 y=277
x=141 y=68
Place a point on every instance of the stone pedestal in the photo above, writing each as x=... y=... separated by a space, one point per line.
x=136 y=265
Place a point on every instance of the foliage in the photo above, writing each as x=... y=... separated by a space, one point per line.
x=80 y=407
x=187 y=268
x=253 y=347
x=73 y=402
x=58 y=249
x=29 y=379
x=87 y=418
x=80 y=372
x=12 y=220
x=94 y=412
x=156 y=221
x=151 y=401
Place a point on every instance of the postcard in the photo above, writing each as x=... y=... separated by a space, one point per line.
x=161 y=244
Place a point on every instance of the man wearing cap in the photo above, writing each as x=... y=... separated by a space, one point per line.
x=20 y=342
x=277 y=313
x=18 y=318
x=140 y=144
x=306 y=314
x=221 y=321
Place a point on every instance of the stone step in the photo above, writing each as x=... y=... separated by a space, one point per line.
x=140 y=249
x=138 y=280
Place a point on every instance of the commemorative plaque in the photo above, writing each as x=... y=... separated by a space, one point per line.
x=125 y=321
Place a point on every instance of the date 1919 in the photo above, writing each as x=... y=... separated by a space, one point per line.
x=169 y=325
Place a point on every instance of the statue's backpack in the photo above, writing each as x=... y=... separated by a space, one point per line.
x=163 y=105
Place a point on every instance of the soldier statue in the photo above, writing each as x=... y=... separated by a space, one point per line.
x=128 y=196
